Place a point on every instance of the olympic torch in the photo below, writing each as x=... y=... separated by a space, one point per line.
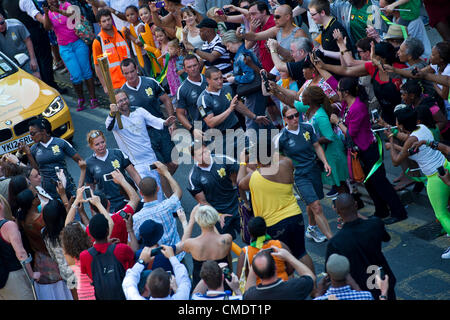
x=104 y=68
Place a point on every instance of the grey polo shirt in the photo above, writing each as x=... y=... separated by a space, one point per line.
x=12 y=41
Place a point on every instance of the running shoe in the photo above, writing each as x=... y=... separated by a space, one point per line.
x=333 y=193
x=446 y=254
x=313 y=232
x=80 y=104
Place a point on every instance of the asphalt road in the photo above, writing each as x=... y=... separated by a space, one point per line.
x=414 y=252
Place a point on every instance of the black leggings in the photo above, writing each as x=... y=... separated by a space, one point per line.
x=379 y=188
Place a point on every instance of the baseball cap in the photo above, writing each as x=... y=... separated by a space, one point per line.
x=207 y=23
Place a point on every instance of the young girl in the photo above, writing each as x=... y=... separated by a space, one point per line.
x=152 y=52
x=175 y=70
x=132 y=34
x=286 y=82
x=162 y=39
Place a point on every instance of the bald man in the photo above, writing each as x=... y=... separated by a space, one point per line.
x=284 y=31
x=360 y=241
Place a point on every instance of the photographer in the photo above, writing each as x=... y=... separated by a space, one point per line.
x=211 y=287
x=159 y=283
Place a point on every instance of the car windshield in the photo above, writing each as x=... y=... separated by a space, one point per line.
x=6 y=68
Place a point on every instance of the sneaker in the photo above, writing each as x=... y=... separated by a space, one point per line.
x=94 y=103
x=446 y=254
x=80 y=104
x=333 y=193
x=313 y=232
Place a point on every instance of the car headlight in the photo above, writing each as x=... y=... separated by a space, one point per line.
x=56 y=106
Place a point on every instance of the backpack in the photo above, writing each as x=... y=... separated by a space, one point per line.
x=107 y=274
x=4 y=272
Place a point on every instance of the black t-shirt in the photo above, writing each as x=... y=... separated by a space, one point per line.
x=293 y=289
x=329 y=43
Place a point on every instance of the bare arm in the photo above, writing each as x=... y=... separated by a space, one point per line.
x=354 y=71
x=163 y=171
x=165 y=99
x=260 y=36
x=133 y=174
x=133 y=197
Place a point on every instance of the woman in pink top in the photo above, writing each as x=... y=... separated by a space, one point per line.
x=354 y=121
x=74 y=52
x=74 y=240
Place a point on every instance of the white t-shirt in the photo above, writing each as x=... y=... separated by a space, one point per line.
x=428 y=159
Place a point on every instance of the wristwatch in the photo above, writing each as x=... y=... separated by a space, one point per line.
x=141 y=261
x=434 y=145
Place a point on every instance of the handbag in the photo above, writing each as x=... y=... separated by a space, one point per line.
x=85 y=31
x=246 y=89
x=355 y=169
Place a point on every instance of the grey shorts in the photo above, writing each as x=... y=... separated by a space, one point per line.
x=309 y=185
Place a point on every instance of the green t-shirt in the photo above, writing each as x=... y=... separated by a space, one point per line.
x=414 y=7
x=358 y=22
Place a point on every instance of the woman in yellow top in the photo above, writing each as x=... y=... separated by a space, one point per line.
x=271 y=188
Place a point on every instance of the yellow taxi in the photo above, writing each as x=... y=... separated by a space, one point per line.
x=24 y=97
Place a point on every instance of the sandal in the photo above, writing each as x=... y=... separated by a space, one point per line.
x=80 y=104
x=94 y=103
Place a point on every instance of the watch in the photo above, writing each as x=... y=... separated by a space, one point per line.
x=141 y=261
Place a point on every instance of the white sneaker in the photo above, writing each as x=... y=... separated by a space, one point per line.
x=446 y=254
x=313 y=232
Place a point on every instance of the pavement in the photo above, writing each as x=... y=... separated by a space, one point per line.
x=414 y=252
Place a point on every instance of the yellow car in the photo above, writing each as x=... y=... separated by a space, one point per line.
x=24 y=97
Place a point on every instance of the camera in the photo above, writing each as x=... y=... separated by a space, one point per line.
x=226 y=10
x=220 y=12
x=160 y=4
x=375 y=115
x=56 y=169
x=107 y=177
x=87 y=193
x=153 y=166
x=155 y=251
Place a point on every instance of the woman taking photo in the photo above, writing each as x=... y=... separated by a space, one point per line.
x=427 y=157
x=47 y=154
x=50 y=286
x=105 y=161
x=354 y=122
x=74 y=52
x=209 y=245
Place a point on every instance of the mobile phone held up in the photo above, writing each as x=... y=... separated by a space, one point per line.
x=107 y=177
x=266 y=80
x=87 y=193
x=159 y=4
x=382 y=273
x=227 y=273
x=153 y=166
x=123 y=214
x=220 y=12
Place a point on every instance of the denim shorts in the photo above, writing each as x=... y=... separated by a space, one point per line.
x=77 y=60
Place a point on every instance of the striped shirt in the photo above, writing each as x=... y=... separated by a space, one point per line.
x=223 y=63
x=84 y=288
x=346 y=293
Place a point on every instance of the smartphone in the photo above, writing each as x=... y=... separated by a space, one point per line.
x=183 y=23
x=153 y=166
x=375 y=115
x=413 y=151
x=87 y=193
x=266 y=80
x=123 y=214
x=220 y=12
x=155 y=251
x=160 y=4
x=226 y=10
x=227 y=273
x=441 y=171
x=381 y=272
x=56 y=169
x=175 y=214
x=202 y=111
x=107 y=177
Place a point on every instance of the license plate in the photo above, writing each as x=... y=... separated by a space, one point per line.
x=14 y=145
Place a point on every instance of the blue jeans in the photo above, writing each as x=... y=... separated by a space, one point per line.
x=77 y=60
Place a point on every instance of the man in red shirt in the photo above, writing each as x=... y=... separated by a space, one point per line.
x=263 y=20
x=99 y=231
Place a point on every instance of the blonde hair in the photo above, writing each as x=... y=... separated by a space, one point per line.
x=210 y=13
x=230 y=36
x=206 y=216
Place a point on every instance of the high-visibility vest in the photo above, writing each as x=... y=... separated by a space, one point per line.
x=116 y=51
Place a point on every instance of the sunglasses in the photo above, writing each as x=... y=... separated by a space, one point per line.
x=94 y=134
x=296 y=115
x=277 y=16
x=245 y=7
